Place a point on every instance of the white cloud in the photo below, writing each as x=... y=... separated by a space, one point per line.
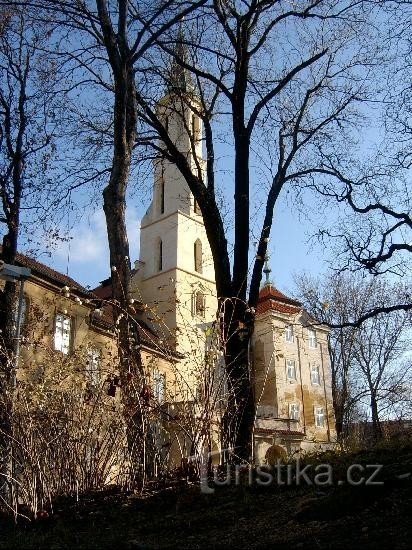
x=87 y=254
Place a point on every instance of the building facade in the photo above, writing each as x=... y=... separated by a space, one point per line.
x=173 y=284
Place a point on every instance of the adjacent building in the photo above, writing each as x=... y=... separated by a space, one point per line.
x=173 y=285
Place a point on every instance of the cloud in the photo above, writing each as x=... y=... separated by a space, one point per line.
x=88 y=241
x=86 y=256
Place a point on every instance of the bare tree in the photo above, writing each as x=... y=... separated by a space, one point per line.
x=274 y=75
x=366 y=360
x=31 y=106
x=379 y=346
x=374 y=232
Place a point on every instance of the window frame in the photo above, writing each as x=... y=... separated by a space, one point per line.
x=24 y=312
x=296 y=408
x=318 y=415
x=159 y=395
x=159 y=258
x=70 y=333
x=312 y=339
x=93 y=376
x=162 y=194
x=312 y=367
x=196 y=310
x=287 y=361
x=289 y=330
x=198 y=256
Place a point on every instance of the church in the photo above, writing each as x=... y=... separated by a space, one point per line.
x=175 y=277
x=173 y=289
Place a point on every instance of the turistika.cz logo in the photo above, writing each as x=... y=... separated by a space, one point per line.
x=293 y=474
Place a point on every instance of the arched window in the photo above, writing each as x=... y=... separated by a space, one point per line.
x=159 y=259
x=198 y=304
x=198 y=260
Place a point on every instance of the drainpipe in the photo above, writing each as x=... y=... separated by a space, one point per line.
x=301 y=385
x=324 y=391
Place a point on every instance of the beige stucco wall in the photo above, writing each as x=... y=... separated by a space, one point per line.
x=168 y=293
x=274 y=391
x=44 y=301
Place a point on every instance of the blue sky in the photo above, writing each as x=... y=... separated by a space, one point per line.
x=85 y=258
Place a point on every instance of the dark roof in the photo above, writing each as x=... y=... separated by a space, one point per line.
x=104 y=291
x=147 y=335
x=45 y=272
x=270 y=298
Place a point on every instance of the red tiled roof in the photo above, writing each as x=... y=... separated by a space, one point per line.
x=270 y=298
x=104 y=291
x=48 y=273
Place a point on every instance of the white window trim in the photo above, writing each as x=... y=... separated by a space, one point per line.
x=312 y=338
x=314 y=366
x=295 y=377
x=296 y=407
x=319 y=415
x=291 y=339
x=63 y=339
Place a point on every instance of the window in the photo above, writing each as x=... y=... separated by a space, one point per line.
x=319 y=417
x=289 y=333
x=313 y=342
x=62 y=333
x=159 y=386
x=314 y=374
x=93 y=367
x=159 y=255
x=198 y=303
x=291 y=369
x=294 y=412
x=198 y=260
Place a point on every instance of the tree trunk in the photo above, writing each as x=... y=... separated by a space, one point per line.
x=7 y=339
x=8 y=255
x=239 y=417
x=376 y=425
x=114 y=205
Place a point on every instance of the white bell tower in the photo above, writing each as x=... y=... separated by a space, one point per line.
x=175 y=274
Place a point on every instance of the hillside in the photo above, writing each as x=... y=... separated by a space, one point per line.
x=180 y=516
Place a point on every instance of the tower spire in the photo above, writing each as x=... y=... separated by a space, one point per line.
x=180 y=80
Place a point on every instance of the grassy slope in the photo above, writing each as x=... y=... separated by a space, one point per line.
x=238 y=517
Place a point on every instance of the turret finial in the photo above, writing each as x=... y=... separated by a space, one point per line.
x=267 y=271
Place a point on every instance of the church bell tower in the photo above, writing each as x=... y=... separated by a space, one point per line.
x=175 y=274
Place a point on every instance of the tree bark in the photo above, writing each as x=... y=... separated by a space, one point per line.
x=376 y=425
